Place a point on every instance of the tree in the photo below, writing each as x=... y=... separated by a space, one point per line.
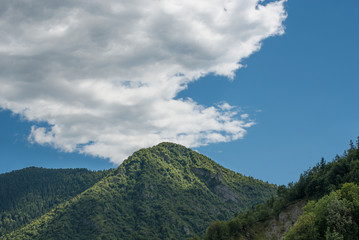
x=351 y=144
x=303 y=229
x=340 y=224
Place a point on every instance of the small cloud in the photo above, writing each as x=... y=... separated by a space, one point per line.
x=244 y=116
x=225 y=106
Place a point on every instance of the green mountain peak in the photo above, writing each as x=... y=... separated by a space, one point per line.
x=164 y=192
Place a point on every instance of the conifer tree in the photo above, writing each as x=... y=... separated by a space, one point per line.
x=351 y=144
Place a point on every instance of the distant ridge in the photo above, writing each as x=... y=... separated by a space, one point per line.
x=164 y=192
x=29 y=193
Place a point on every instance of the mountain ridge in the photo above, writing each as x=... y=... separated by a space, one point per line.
x=164 y=192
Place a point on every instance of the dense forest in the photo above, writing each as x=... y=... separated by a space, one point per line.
x=164 y=192
x=332 y=209
x=31 y=192
x=171 y=192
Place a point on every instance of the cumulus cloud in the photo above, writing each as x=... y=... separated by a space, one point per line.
x=105 y=74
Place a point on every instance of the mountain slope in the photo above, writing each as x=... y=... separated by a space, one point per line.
x=322 y=187
x=164 y=192
x=31 y=192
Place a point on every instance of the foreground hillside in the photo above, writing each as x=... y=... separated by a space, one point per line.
x=164 y=192
x=330 y=194
x=31 y=192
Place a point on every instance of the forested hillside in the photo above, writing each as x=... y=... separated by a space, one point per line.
x=31 y=192
x=164 y=192
x=331 y=213
x=333 y=217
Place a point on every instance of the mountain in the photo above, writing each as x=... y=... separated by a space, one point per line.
x=164 y=192
x=31 y=192
x=323 y=204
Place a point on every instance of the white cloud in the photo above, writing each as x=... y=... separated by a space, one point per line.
x=105 y=74
x=244 y=115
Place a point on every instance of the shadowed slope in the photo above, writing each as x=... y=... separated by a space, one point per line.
x=31 y=192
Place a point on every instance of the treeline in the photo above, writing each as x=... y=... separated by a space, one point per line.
x=29 y=193
x=322 y=180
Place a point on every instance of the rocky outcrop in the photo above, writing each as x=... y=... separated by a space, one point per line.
x=278 y=226
x=216 y=183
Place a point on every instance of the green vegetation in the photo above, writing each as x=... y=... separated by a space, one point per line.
x=31 y=192
x=164 y=192
x=328 y=205
x=334 y=216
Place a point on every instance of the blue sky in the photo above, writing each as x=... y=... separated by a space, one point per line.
x=300 y=89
